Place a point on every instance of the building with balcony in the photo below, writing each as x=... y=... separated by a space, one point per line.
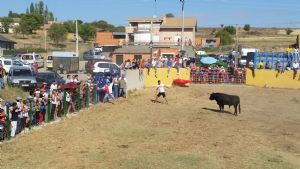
x=161 y=31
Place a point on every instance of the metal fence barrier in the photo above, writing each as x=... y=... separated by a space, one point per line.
x=218 y=77
x=83 y=96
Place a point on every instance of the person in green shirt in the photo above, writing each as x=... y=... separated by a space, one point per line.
x=260 y=64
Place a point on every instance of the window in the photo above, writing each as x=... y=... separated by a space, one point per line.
x=17 y=63
x=22 y=72
x=7 y=62
x=103 y=65
x=27 y=57
x=137 y=57
x=167 y=38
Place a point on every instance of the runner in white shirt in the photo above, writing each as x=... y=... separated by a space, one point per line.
x=161 y=91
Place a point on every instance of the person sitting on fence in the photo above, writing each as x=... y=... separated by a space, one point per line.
x=295 y=68
x=260 y=64
x=278 y=68
x=148 y=66
x=267 y=65
x=251 y=67
x=288 y=65
x=2 y=124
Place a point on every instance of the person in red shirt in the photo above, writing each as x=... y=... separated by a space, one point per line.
x=36 y=67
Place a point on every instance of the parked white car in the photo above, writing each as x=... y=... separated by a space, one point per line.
x=104 y=67
x=7 y=63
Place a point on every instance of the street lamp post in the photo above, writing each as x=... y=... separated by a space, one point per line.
x=151 y=48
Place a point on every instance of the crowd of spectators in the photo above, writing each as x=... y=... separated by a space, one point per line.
x=49 y=104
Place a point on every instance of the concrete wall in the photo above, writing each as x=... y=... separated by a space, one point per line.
x=162 y=75
x=133 y=81
x=267 y=78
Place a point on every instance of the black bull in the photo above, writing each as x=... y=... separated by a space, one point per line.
x=225 y=99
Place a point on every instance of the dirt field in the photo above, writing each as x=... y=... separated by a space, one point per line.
x=187 y=133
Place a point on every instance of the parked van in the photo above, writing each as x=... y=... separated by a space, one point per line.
x=49 y=62
x=31 y=58
x=244 y=53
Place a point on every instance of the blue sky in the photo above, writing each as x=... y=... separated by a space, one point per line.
x=261 y=13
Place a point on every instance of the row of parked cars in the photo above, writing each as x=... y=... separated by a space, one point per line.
x=20 y=71
x=26 y=78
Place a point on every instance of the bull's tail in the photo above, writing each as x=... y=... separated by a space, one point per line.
x=240 y=108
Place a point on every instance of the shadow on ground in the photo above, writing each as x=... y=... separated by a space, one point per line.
x=217 y=111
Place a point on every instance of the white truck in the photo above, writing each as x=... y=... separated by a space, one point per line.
x=244 y=52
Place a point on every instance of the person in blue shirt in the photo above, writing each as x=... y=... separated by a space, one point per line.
x=169 y=65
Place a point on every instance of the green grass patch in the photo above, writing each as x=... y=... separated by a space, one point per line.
x=170 y=160
x=271 y=160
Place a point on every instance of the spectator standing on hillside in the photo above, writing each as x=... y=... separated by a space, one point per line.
x=2 y=74
x=123 y=86
x=14 y=119
x=36 y=67
x=69 y=79
x=295 y=68
x=108 y=93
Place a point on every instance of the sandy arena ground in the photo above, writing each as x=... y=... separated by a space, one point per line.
x=187 y=133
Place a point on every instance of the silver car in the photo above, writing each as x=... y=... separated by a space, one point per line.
x=21 y=76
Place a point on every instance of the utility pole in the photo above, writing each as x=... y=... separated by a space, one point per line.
x=45 y=34
x=77 y=51
x=237 y=53
x=182 y=31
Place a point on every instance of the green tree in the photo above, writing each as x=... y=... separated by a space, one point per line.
x=57 y=33
x=222 y=25
x=10 y=14
x=70 y=26
x=6 y=23
x=51 y=16
x=30 y=22
x=230 y=29
x=247 y=27
x=288 y=31
x=119 y=29
x=31 y=8
x=86 y=31
x=169 y=15
x=40 y=7
x=225 y=37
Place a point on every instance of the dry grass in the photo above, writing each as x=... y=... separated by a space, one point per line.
x=186 y=133
x=11 y=93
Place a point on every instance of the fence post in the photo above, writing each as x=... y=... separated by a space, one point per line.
x=8 y=124
x=95 y=94
x=49 y=109
x=30 y=113
x=87 y=94
x=78 y=98
x=65 y=106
